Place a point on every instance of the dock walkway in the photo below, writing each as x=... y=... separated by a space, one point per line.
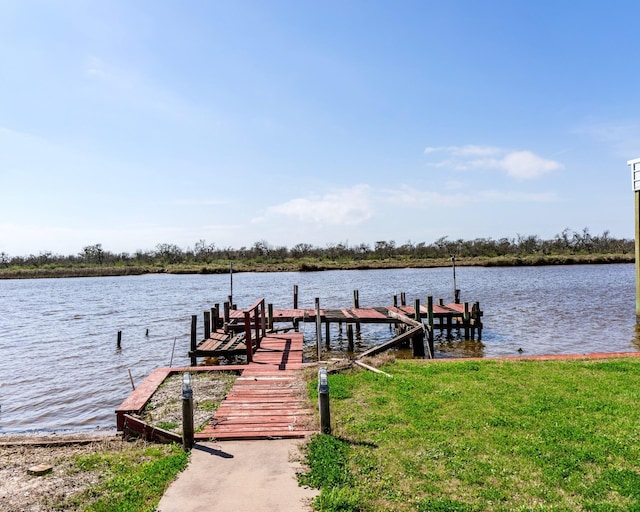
x=268 y=400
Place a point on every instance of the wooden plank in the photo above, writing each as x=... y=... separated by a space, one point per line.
x=391 y=343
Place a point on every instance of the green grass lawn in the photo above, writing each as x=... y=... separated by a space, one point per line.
x=482 y=435
x=131 y=479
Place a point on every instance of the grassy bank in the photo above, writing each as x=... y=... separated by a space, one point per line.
x=131 y=480
x=304 y=265
x=482 y=435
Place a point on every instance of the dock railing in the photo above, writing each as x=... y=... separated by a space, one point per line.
x=254 y=318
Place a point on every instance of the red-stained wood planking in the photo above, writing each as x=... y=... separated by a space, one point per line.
x=368 y=313
x=265 y=402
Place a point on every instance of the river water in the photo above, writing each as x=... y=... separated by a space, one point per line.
x=60 y=369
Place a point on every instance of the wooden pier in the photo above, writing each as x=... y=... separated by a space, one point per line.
x=238 y=331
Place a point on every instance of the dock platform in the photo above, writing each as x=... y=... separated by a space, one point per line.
x=226 y=336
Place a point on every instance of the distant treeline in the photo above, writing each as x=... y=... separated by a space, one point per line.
x=566 y=243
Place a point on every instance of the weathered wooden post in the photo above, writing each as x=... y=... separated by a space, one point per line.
x=227 y=312
x=430 y=326
x=327 y=334
x=231 y=282
x=350 y=346
x=214 y=318
x=295 y=296
x=456 y=292
x=466 y=321
x=270 y=316
x=207 y=324
x=635 y=182
x=263 y=322
x=318 y=329
x=356 y=305
x=217 y=315
x=194 y=339
x=417 y=342
x=477 y=324
x=119 y=340
x=247 y=336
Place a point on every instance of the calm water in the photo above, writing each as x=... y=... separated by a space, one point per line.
x=60 y=368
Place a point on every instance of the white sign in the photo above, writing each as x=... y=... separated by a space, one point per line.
x=635 y=174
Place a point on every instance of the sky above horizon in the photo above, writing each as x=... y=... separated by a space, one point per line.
x=132 y=124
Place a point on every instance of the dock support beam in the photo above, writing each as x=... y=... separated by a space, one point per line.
x=350 y=346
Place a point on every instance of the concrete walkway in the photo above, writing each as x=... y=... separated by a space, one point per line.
x=239 y=476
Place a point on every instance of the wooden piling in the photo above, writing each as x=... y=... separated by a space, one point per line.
x=327 y=334
x=295 y=296
x=430 y=337
x=207 y=324
x=194 y=339
x=227 y=312
x=477 y=320
x=318 y=329
x=270 y=316
x=350 y=346
x=466 y=321
x=247 y=336
x=119 y=340
x=356 y=305
x=214 y=318
x=403 y=299
x=417 y=342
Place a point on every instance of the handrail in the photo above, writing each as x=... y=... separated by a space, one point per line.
x=255 y=312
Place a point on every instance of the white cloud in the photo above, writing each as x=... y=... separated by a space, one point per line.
x=349 y=206
x=408 y=196
x=521 y=165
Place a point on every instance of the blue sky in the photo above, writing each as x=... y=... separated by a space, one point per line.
x=137 y=123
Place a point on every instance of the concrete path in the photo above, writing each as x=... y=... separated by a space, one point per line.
x=239 y=476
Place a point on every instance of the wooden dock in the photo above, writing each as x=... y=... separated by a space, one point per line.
x=267 y=401
x=226 y=336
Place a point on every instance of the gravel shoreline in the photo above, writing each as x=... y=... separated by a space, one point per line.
x=22 y=491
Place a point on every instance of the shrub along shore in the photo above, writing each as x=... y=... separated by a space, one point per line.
x=303 y=265
x=205 y=258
